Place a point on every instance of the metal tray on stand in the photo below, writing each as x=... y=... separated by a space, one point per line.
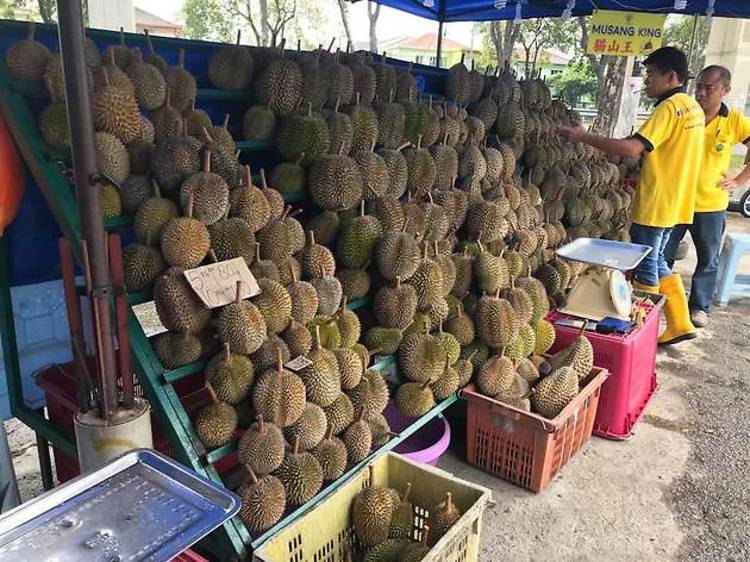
x=139 y=507
x=623 y=256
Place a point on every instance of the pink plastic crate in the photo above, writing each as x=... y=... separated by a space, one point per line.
x=189 y=556
x=631 y=361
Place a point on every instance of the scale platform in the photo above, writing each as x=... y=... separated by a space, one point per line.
x=141 y=506
x=602 y=291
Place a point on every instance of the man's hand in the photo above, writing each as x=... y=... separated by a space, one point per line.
x=572 y=134
x=728 y=183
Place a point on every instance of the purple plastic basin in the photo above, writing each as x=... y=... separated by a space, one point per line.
x=428 y=444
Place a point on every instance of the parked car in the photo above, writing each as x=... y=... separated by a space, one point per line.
x=739 y=200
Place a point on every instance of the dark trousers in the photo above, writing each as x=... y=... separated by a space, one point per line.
x=706 y=231
x=654 y=266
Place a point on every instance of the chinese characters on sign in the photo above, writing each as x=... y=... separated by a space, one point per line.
x=624 y=34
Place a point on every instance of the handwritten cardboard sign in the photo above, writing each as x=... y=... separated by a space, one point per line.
x=216 y=283
x=298 y=363
x=148 y=318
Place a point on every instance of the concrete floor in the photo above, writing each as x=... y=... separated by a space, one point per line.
x=676 y=491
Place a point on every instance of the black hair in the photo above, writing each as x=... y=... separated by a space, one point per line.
x=669 y=59
x=721 y=71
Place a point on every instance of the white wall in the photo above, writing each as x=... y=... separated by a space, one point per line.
x=112 y=14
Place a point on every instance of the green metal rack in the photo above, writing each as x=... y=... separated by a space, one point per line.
x=46 y=165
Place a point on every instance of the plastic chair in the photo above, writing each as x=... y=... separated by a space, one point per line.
x=729 y=282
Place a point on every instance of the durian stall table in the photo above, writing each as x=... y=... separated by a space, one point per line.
x=20 y=102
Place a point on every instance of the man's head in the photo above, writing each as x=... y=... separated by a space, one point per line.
x=714 y=82
x=666 y=69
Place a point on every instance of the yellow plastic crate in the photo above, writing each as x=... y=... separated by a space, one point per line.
x=325 y=533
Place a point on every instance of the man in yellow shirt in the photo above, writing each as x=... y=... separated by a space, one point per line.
x=671 y=141
x=724 y=129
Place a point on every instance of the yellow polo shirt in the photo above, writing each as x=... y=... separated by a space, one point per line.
x=727 y=129
x=673 y=137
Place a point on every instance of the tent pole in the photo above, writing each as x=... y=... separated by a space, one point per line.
x=439 y=43
x=70 y=31
x=693 y=37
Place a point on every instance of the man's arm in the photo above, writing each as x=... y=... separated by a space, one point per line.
x=743 y=178
x=629 y=148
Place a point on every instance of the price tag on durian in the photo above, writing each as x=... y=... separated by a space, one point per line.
x=298 y=363
x=216 y=283
x=148 y=318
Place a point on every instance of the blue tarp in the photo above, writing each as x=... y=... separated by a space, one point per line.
x=482 y=10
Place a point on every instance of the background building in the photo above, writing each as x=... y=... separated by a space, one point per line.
x=422 y=50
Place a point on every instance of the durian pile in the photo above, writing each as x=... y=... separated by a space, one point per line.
x=420 y=207
x=384 y=524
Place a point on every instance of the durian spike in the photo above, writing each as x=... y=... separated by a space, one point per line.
x=263 y=183
x=211 y=393
x=227 y=354
x=251 y=475
x=238 y=292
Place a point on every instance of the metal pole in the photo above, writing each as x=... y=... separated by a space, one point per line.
x=439 y=43
x=70 y=29
x=693 y=37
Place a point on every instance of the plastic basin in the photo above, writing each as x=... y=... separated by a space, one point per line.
x=428 y=444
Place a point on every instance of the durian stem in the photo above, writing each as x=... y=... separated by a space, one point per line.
x=248 y=176
x=257 y=251
x=211 y=393
x=105 y=73
x=189 y=206
x=330 y=45
x=295 y=447
x=181 y=58
x=30 y=32
x=279 y=360
x=148 y=42
x=212 y=255
x=206 y=161
x=225 y=124
x=398 y=282
x=261 y=426
x=405 y=497
x=263 y=182
x=155 y=189
x=448 y=500
x=425 y=532
x=251 y=475
x=329 y=432
x=239 y=36
x=238 y=292
x=227 y=353
x=316 y=338
x=122 y=35
x=310 y=238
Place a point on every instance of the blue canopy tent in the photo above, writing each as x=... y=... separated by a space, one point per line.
x=447 y=11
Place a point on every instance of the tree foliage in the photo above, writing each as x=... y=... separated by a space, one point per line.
x=678 y=32
x=536 y=35
x=267 y=21
x=577 y=81
x=207 y=20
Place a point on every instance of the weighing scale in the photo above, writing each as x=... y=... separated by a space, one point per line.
x=602 y=291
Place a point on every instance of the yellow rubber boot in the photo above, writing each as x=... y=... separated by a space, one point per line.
x=679 y=326
x=652 y=289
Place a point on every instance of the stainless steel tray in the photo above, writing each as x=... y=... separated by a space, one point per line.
x=606 y=253
x=141 y=506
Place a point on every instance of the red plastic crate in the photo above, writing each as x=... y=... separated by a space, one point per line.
x=526 y=448
x=189 y=556
x=631 y=361
x=58 y=384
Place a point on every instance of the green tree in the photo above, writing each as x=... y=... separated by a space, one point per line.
x=207 y=20
x=577 y=81
x=678 y=32
x=535 y=35
x=497 y=41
